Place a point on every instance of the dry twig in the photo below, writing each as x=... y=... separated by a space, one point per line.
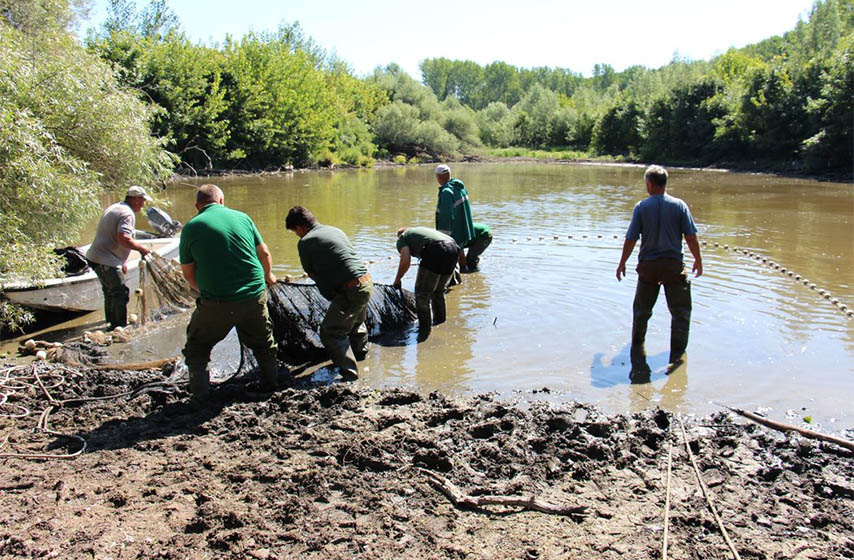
x=531 y=503
x=708 y=496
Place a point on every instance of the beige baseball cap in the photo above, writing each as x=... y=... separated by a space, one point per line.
x=136 y=190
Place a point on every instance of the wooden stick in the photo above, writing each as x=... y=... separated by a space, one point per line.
x=142 y=309
x=463 y=500
x=789 y=428
x=707 y=495
x=667 y=502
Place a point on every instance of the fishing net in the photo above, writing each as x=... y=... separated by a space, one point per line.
x=171 y=290
x=297 y=310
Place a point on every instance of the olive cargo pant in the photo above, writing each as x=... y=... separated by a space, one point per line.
x=430 y=292
x=677 y=290
x=477 y=247
x=343 y=331
x=211 y=322
x=116 y=294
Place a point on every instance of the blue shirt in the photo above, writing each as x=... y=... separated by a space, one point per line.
x=660 y=221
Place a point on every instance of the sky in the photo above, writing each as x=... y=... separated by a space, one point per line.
x=525 y=33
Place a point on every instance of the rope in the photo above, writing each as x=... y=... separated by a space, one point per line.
x=12 y=383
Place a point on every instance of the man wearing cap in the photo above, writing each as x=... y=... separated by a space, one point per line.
x=331 y=261
x=223 y=256
x=660 y=221
x=109 y=252
x=453 y=212
x=438 y=254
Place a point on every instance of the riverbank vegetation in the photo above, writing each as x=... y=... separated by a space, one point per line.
x=138 y=100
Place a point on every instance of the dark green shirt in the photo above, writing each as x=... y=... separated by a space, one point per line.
x=328 y=256
x=453 y=212
x=221 y=242
x=480 y=231
x=416 y=238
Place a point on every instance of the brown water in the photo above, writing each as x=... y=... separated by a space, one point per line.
x=549 y=312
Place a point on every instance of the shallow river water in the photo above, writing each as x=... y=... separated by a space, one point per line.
x=546 y=310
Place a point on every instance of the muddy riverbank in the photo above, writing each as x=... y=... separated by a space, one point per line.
x=346 y=472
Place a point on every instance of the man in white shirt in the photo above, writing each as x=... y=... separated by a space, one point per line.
x=110 y=250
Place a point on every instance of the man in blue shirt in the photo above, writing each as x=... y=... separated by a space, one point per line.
x=660 y=221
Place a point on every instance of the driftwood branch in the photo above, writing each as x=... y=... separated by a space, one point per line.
x=789 y=428
x=459 y=499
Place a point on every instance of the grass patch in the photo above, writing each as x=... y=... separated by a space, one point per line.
x=549 y=154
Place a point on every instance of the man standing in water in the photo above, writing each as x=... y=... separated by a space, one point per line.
x=223 y=256
x=110 y=250
x=438 y=253
x=453 y=212
x=660 y=221
x=331 y=261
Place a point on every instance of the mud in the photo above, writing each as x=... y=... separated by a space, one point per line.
x=341 y=471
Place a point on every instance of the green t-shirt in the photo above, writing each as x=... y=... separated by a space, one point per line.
x=416 y=238
x=221 y=242
x=327 y=255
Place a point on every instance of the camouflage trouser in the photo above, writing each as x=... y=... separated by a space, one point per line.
x=343 y=331
x=116 y=294
x=677 y=290
x=211 y=322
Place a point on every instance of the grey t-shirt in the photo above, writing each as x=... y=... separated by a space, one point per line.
x=660 y=221
x=105 y=249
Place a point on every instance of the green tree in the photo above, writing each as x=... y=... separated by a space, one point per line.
x=278 y=106
x=617 y=131
x=184 y=83
x=495 y=125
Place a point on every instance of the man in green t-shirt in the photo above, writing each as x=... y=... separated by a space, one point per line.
x=331 y=261
x=438 y=254
x=475 y=248
x=223 y=256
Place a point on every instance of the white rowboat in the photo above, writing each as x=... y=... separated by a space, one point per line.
x=82 y=293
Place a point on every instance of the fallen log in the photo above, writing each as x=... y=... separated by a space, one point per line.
x=789 y=428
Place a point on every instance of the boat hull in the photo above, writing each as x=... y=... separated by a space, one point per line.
x=82 y=293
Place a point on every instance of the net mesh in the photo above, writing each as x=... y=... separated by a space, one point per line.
x=296 y=311
x=171 y=290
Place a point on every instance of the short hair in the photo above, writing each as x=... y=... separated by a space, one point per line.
x=657 y=175
x=401 y=231
x=208 y=193
x=299 y=216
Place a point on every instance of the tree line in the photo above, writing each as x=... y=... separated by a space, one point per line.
x=273 y=99
x=137 y=100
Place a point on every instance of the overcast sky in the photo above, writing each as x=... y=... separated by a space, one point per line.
x=525 y=33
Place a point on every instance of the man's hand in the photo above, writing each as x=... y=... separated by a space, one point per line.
x=124 y=268
x=397 y=283
x=698 y=268
x=270 y=278
x=628 y=247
